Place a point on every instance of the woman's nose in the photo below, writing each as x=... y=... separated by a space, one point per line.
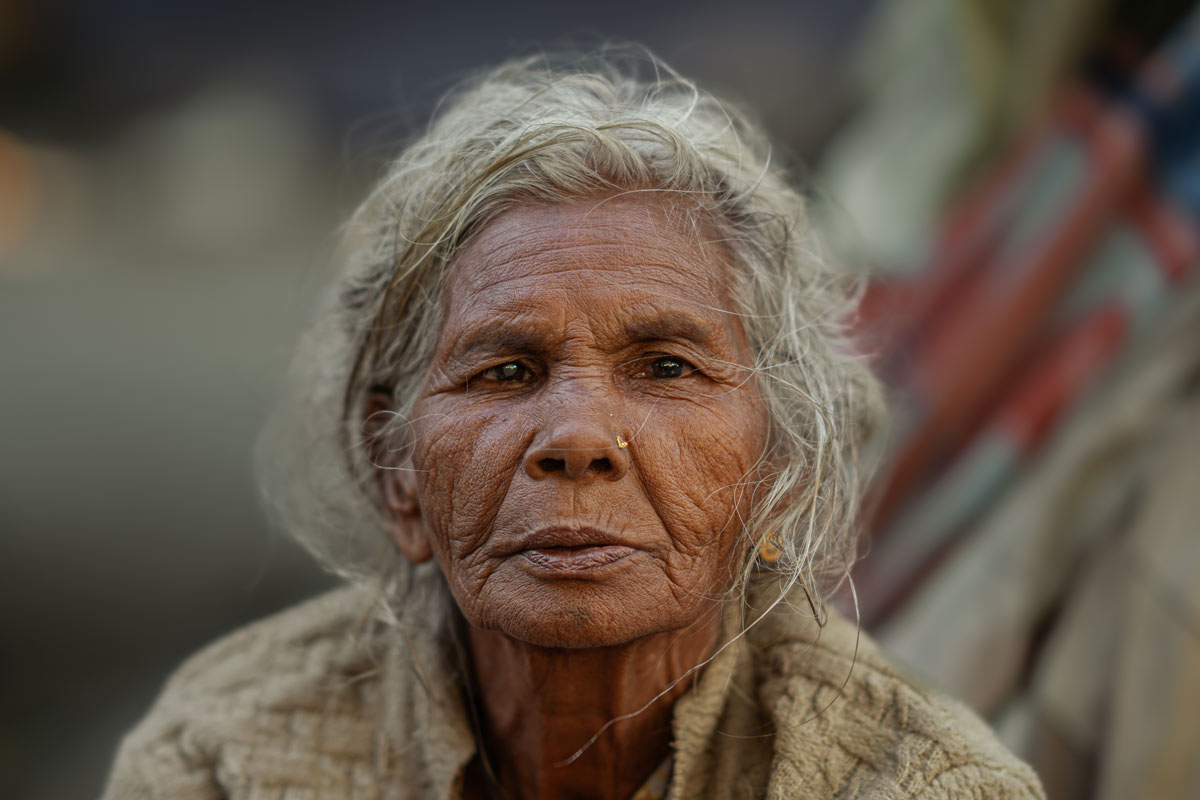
x=577 y=447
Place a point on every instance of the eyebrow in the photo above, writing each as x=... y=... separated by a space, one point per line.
x=529 y=338
x=496 y=337
x=668 y=325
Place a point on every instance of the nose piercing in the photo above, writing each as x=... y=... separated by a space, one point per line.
x=621 y=443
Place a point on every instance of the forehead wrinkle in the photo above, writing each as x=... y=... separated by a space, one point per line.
x=658 y=273
x=505 y=271
x=514 y=321
x=506 y=242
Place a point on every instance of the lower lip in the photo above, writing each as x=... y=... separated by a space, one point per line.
x=576 y=560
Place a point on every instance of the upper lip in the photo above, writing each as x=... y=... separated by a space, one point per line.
x=569 y=536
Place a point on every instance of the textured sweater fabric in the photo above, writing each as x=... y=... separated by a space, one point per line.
x=323 y=701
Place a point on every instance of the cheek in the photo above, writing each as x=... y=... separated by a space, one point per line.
x=699 y=464
x=465 y=463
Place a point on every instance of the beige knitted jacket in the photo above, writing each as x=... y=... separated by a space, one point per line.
x=321 y=702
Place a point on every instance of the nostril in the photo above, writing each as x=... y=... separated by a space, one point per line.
x=601 y=465
x=552 y=464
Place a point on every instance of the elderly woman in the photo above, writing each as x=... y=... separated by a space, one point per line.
x=579 y=430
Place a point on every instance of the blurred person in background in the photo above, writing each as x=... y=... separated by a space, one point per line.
x=1026 y=180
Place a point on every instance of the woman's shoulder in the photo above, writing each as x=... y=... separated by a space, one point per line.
x=275 y=693
x=881 y=733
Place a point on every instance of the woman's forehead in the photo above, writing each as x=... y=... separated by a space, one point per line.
x=641 y=244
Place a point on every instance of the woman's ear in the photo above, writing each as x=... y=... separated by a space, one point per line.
x=396 y=481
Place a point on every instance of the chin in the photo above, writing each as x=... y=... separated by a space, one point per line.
x=575 y=629
x=578 y=616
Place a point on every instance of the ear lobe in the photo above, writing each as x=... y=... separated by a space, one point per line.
x=396 y=482
x=403 y=511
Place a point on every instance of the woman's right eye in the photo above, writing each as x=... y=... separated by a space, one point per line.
x=510 y=371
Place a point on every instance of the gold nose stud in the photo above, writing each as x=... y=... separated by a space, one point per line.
x=621 y=443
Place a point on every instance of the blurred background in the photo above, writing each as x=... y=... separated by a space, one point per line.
x=1021 y=178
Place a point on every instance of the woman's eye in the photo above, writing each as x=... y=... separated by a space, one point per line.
x=508 y=371
x=670 y=367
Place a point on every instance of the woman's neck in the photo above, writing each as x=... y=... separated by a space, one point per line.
x=540 y=705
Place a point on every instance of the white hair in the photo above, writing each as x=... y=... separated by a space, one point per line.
x=547 y=130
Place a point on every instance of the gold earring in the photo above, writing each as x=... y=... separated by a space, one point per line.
x=769 y=548
x=621 y=443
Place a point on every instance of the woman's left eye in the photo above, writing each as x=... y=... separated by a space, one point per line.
x=510 y=371
x=670 y=367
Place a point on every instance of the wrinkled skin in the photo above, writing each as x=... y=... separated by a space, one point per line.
x=567 y=327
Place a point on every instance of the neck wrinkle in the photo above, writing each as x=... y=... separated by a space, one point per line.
x=540 y=705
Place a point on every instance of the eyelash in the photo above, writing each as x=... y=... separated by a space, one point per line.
x=522 y=373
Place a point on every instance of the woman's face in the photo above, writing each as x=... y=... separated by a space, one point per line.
x=570 y=330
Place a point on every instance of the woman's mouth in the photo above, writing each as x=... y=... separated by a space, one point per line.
x=575 y=560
